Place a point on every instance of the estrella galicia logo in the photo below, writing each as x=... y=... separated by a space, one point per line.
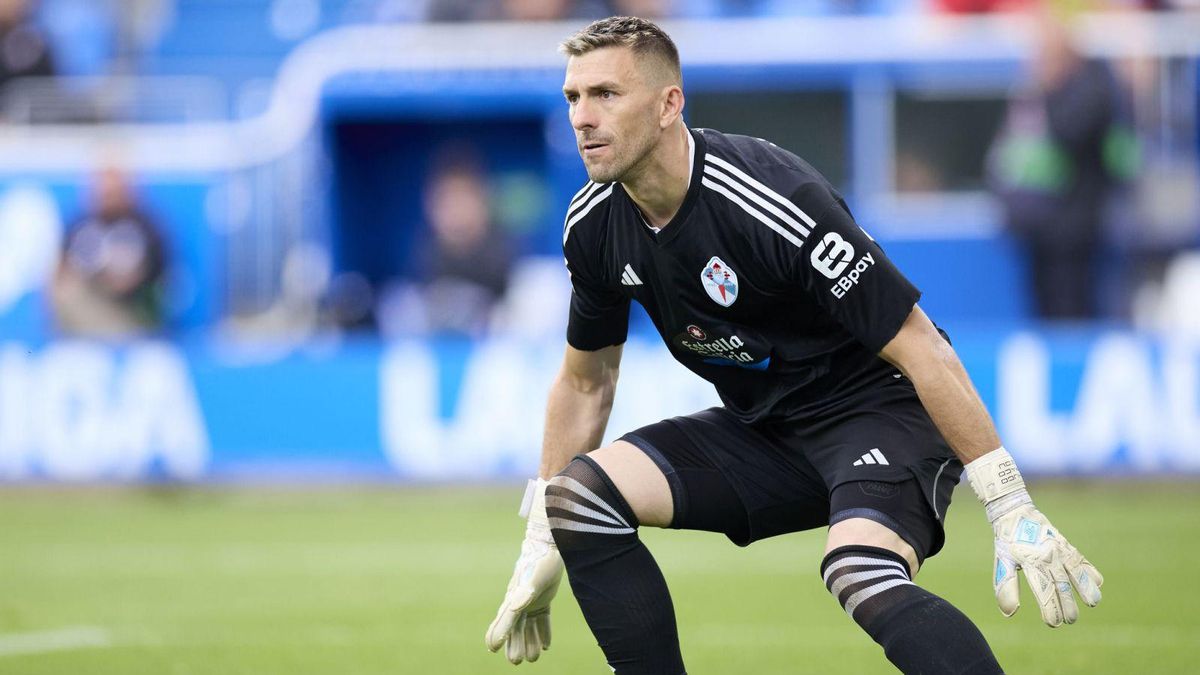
x=722 y=348
x=832 y=255
x=720 y=281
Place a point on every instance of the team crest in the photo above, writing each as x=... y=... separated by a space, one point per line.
x=720 y=281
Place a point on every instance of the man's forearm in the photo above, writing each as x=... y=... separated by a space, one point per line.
x=576 y=415
x=946 y=391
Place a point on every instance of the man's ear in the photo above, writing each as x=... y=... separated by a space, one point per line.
x=672 y=105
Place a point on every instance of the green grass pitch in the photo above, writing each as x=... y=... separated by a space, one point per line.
x=405 y=580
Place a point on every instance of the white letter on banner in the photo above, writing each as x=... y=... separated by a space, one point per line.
x=501 y=410
x=158 y=413
x=498 y=416
x=1181 y=387
x=70 y=409
x=408 y=401
x=1117 y=406
x=16 y=442
x=1031 y=431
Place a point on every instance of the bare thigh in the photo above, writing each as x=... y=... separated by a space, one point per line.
x=639 y=480
x=865 y=532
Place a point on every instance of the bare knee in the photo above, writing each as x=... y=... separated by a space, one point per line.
x=639 y=480
x=865 y=532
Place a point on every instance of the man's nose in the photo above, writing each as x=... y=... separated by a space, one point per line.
x=584 y=116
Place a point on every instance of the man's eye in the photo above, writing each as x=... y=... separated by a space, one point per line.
x=607 y=95
x=572 y=98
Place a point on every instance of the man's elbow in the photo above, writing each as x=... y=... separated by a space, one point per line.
x=919 y=347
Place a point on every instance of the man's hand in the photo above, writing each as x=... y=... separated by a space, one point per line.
x=523 y=620
x=1026 y=541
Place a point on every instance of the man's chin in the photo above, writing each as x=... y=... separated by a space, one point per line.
x=602 y=174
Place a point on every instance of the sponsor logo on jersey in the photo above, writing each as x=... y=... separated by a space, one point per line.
x=850 y=279
x=720 y=281
x=697 y=332
x=832 y=255
x=730 y=351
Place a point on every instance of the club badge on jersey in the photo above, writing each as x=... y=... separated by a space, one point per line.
x=720 y=281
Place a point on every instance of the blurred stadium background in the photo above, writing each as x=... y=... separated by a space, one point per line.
x=281 y=295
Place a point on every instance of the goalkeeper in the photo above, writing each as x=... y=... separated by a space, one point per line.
x=843 y=405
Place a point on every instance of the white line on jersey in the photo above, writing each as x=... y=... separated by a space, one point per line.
x=629 y=277
x=774 y=210
x=783 y=201
x=783 y=231
x=592 y=200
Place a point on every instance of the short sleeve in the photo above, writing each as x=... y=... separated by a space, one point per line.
x=599 y=316
x=848 y=274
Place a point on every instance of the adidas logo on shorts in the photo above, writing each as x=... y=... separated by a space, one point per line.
x=872 y=457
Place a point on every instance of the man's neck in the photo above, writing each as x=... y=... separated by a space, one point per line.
x=661 y=186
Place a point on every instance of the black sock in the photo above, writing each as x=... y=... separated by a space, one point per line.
x=919 y=632
x=618 y=585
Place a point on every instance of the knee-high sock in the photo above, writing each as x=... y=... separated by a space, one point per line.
x=919 y=632
x=618 y=585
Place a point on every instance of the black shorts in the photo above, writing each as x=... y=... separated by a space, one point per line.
x=881 y=458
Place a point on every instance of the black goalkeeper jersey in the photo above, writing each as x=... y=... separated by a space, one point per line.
x=762 y=283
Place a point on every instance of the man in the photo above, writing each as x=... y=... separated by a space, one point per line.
x=843 y=404
x=1055 y=167
x=110 y=275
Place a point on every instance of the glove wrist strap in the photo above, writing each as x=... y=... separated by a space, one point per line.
x=533 y=509
x=997 y=483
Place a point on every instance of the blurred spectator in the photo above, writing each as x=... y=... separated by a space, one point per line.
x=646 y=9
x=462 y=272
x=515 y=10
x=109 y=279
x=1049 y=165
x=24 y=49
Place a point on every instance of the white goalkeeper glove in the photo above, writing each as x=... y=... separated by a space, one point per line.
x=1026 y=541
x=524 y=617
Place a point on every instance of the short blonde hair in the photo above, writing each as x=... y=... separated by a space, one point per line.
x=642 y=36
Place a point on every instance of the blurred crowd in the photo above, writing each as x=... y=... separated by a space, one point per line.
x=1102 y=204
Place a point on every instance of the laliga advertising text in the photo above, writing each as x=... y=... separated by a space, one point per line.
x=78 y=411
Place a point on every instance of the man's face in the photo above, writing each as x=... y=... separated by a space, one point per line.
x=614 y=111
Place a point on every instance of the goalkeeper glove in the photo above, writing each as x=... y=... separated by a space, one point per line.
x=1026 y=541
x=524 y=617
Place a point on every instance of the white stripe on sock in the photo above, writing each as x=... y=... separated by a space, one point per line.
x=845 y=580
x=580 y=489
x=557 y=502
x=576 y=526
x=861 y=560
x=855 y=600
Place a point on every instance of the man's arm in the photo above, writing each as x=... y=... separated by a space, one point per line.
x=1025 y=539
x=580 y=401
x=945 y=389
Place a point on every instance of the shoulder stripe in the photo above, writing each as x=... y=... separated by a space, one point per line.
x=783 y=231
x=581 y=191
x=585 y=210
x=753 y=196
x=786 y=203
x=583 y=196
